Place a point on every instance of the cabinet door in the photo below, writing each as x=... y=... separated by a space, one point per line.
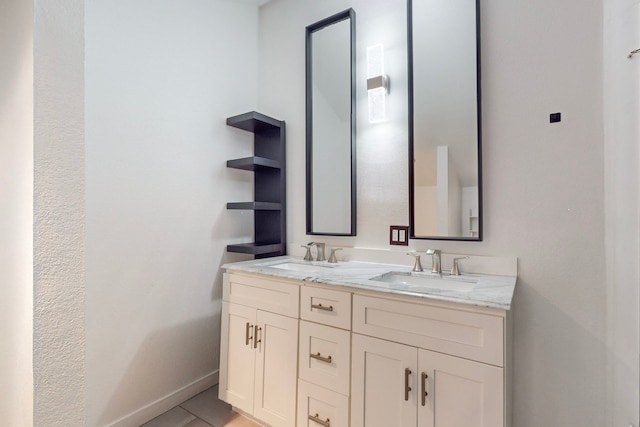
x=382 y=372
x=461 y=393
x=237 y=356
x=276 y=369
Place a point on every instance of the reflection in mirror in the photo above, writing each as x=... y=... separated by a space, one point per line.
x=330 y=133
x=444 y=120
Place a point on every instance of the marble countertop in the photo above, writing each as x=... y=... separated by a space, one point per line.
x=488 y=291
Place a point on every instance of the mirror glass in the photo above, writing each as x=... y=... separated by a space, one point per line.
x=330 y=121
x=445 y=183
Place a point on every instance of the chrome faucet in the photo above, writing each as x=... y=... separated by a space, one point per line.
x=319 y=250
x=435 y=260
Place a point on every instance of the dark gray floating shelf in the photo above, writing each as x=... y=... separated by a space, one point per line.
x=253 y=163
x=254 y=122
x=255 y=249
x=268 y=166
x=256 y=206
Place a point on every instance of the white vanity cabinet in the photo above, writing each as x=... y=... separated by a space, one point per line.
x=310 y=355
x=258 y=358
x=425 y=365
x=399 y=385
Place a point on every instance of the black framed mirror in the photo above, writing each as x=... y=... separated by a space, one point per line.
x=331 y=126
x=445 y=157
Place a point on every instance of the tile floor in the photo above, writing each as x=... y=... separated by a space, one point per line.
x=202 y=410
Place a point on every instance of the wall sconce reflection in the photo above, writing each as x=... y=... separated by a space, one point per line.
x=377 y=84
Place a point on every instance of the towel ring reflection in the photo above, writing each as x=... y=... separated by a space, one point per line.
x=633 y=52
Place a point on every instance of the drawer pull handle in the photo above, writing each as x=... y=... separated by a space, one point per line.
x=424 y=388
x=317 y=356
x=256 y=329
x=407 y=387
x=322 y=307
x=316 y=419
x=247 y=336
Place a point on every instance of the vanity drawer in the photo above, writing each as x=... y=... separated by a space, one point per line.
x=264 y=294
x=326 y=306
x=471 y=335
x=325 y=356
x=315 y=402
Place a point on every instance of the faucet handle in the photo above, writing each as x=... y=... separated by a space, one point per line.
x=455 y=271
x=417 y=266
x=307 y=256
x=332 y=256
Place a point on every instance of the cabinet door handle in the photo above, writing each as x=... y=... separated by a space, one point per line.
x=407 y=387
x=247 y=336
x=316 y=419
x=321 y=358
x=322 y=307
x=256 y=329
x=424 y=377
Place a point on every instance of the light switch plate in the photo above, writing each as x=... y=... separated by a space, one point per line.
x=399 y=235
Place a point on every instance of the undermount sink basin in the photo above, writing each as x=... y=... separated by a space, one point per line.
x=421 y=283
x=296 y=266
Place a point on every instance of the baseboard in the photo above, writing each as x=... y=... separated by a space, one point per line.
x=162 y=405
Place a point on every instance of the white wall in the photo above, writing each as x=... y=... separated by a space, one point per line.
x=544 y=200
x=16 y=214
x=622 y=107
x=543 y=183
x=161 y=78
x=58 y=316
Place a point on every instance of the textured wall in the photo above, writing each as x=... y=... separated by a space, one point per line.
x=58 y=342
x=543 y=183
x=16 y=214
x=161 y=78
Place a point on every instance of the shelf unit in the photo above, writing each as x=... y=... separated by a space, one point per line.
x=268 y=165
x=473 y=224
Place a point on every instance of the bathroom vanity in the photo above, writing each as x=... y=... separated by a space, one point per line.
x=363 y=344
